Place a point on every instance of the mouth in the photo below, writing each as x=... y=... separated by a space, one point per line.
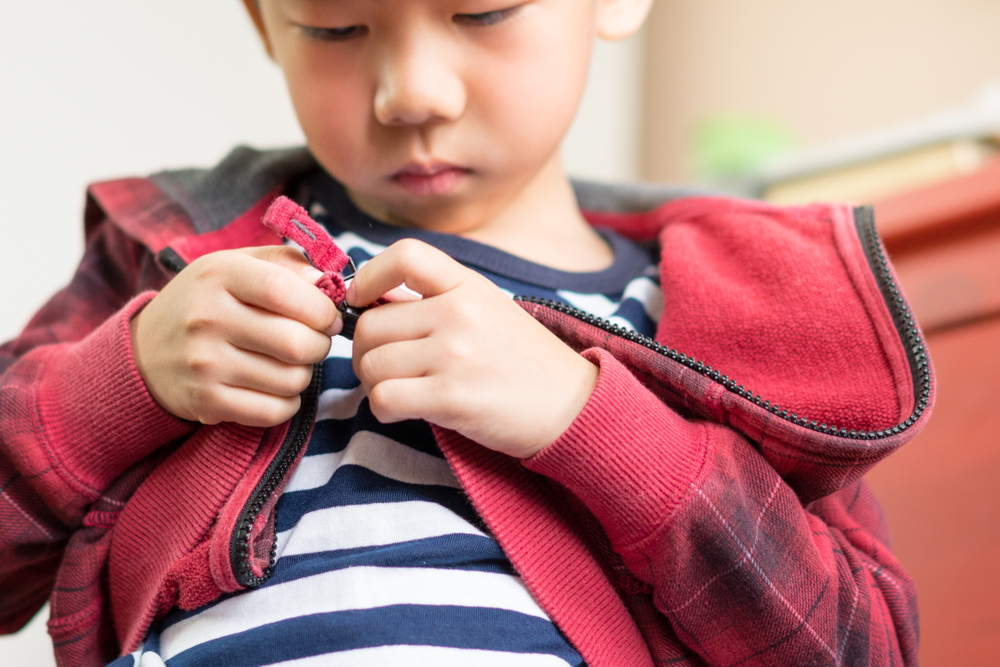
x=430 y=178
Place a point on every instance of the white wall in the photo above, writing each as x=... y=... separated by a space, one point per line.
x=105 y=88
x=109 y=88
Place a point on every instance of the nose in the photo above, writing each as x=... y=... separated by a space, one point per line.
x=418 y=83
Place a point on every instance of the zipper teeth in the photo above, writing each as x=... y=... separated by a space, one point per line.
x=298 y=433
x=902 y=316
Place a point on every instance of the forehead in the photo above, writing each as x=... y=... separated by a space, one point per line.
x=396 y=4
x=463 y=6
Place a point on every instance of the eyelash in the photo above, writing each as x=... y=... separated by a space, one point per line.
x=488 y=18
x=483 y=19
x=335 y=34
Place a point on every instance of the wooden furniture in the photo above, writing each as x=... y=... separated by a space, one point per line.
x=941 y=492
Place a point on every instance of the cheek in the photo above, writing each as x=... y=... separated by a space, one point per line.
x=530 y=100
x=334 y=111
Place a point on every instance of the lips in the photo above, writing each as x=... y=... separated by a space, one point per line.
x=436 y=178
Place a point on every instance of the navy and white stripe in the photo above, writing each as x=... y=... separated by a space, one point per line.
x=381 y=557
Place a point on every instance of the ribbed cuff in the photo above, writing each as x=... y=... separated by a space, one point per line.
x=96 y=414
x=627 y=456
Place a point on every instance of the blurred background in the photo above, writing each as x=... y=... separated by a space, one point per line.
x=893 y=103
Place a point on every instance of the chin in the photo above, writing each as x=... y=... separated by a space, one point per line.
x=441 y=220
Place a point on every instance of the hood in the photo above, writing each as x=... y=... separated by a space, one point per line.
x=786 y=323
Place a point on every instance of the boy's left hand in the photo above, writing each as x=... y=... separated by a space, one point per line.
x=464 y=357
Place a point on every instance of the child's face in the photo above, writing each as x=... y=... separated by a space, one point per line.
x=437 y=113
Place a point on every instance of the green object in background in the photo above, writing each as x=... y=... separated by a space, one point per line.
x=730 y=147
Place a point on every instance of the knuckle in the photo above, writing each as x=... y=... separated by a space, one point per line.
x=380 y=402
x=282 y=255
x=266 y=415
x=275 y=289
x=195 y=322
x=212 y=267
x=410 y=254
x=205 y=404
x=463 y=311
x=300 y=347
x=409 y=246
x=367 y=366
x=295 y=381
x=292 y=406
x=293 y=349
x=200 y=362
x=276 y=411
x=208 y=417
x=304 y=380
x=456 y=349
x=272 y=253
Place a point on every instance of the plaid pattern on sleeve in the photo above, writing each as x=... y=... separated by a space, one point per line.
x=744 y=573
x=755 y=578
x=61 y=381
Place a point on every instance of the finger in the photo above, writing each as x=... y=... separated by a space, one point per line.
x=284 y=339
x=392 y=322
x=406 y=359
x=401 y=294
x=279 y=290
x=291 y=258
x=399 y=399
x=423 y=268
x=264 y=374
x=248 y=407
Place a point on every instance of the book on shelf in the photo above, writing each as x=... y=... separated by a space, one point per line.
x=885 y=163
x=882 y=178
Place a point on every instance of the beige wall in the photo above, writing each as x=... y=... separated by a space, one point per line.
x=604 y=142
x=827 y=68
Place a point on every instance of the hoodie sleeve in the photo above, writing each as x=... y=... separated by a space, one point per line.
x=745 y=573
x=74 y=415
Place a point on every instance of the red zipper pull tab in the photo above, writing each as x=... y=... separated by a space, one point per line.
x=291 y=221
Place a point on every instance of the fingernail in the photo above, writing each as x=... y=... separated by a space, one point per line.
x=352 y=294
x=336 y=327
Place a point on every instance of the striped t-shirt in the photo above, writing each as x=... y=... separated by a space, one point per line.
x=381 y=557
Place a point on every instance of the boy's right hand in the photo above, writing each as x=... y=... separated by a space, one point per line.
x=234 y=336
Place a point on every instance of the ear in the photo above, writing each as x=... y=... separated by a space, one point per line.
x=618 y=19
x=253 y=8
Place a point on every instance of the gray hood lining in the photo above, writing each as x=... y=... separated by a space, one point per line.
x=215 y=197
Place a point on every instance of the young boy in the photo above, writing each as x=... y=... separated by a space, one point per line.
x=196 y=474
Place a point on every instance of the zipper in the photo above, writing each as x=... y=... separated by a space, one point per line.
x=906 y=325
x=902 y=316
x=296 y=438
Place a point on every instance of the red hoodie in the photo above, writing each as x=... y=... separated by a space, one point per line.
x=706 y=507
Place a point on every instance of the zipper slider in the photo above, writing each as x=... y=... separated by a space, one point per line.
x=352 y=313
x=349 y=313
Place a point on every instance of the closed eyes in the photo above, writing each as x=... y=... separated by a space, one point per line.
x=482 y=19
x=335 y=34
x=487 y=18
